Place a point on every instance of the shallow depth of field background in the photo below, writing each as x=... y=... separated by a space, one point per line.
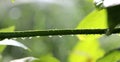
x=45 y=15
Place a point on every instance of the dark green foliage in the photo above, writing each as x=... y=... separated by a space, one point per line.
x=113 y=18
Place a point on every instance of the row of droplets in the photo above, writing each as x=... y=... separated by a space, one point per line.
x=50 y=36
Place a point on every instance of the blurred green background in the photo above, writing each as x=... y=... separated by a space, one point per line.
x=43 y=15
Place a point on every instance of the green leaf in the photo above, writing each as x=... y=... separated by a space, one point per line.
x=96 y=19
x=88 y=49
x=9 y=29
x=112 y=56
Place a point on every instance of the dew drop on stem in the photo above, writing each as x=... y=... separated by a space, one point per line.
x=30 y=37
x=50 y=36
x=23 y=38
x=60 y=36
x=14 y=38
x=38 y=36
x=72 y=35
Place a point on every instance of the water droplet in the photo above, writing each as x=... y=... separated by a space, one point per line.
x=14 y=38
x=49 y=36
x=72 y=35
x=60 y=36
x=30 y=37
x=38 y=36
x=23 y=38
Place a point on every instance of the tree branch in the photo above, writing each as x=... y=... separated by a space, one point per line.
x=32 y=33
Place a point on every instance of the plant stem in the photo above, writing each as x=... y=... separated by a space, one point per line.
x=32 y=33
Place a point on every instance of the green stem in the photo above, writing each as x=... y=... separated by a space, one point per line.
x=17 y=34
